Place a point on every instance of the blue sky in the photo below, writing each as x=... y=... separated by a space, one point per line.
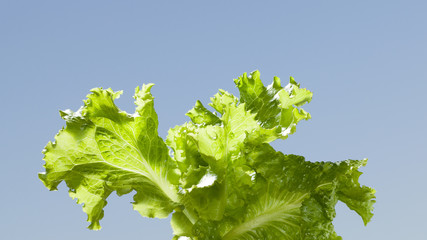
x=365 y=61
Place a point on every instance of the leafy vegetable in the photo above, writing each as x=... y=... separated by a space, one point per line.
x=224 y=180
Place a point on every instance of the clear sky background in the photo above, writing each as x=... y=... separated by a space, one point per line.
x=365 y=61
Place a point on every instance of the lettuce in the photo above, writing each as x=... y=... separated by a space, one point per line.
x=222 y=179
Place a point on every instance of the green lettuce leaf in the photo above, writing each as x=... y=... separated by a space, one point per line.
x=324 y=182
x=230 y=147
x=212 y=147
x=103 y=149
x=292 y=198
x=275 y=107
x=222 y=181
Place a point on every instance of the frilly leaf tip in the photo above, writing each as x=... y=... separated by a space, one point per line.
x=276 y=82
x=292 y=81
x=97 y=89
x=144 y=92
x=116 y=95
x=255 y=74
x=147 y=87
x=50 y=186
x=94 y=226
x=100 y=91
x=64 y=113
